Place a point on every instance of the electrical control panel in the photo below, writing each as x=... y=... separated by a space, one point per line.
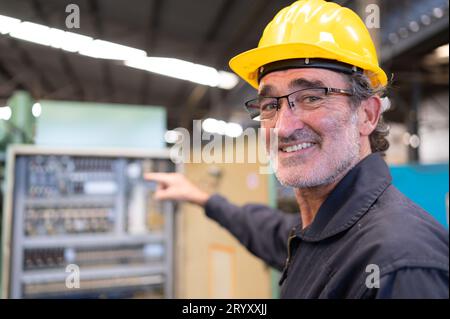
x=83 y=224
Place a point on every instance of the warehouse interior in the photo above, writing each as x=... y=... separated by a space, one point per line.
x=110 y=115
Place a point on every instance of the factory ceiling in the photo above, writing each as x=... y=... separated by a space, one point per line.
x=207 y=32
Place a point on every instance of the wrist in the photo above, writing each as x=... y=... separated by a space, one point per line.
x=201 y=198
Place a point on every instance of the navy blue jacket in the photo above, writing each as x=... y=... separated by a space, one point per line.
x=367 y=241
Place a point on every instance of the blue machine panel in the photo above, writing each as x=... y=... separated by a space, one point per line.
x=427 y=185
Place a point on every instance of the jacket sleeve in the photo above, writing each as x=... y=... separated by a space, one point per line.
x=414 y=283
x=262 y=230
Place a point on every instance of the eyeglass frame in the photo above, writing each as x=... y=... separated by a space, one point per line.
x=327 y=90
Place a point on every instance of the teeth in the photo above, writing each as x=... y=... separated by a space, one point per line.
x=297 y=147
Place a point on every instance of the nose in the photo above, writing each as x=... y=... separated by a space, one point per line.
x=287 y=121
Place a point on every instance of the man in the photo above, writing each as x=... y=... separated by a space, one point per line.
x=321 y=89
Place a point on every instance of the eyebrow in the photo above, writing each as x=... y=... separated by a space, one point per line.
x=303 y=83
x=268 y=90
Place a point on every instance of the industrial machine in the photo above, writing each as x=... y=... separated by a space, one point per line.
x=83 y=224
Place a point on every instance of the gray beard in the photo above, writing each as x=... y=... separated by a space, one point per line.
x=340 y=170
x=338 y=173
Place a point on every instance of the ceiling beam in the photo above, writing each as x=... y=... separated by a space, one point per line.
x=153 y=24
x=44 y=86
x=62 y=56
x=108 y=87
x=195 y=94
x=243 y=30
x=218 y=22
x=236 y=42
x=12 y=82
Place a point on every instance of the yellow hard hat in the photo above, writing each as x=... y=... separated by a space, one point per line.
x=313 y=30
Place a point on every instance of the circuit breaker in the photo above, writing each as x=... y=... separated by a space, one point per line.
x=83 y=224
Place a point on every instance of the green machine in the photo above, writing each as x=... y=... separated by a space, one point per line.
x=19 y=129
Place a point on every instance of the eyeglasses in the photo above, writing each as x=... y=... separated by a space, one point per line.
x=265 y=108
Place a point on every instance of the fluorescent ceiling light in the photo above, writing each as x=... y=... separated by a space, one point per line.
x=7 y=24
x=227 y=80
x=55 y=38
x=172 y=136
x=36 y=109
x=131 y=57
x=214 y=126
x=32 y=32
x=5 y=113
x=233 y=130
x=68 y=41
x=108 y=50
x=209 y=125
x=177 y=69
x=221 y=127
x=185 y=70
x=442 y=51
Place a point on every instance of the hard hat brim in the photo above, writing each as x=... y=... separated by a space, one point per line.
x=246 y=64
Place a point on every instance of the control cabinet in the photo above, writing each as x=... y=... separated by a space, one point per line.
x=83 y=224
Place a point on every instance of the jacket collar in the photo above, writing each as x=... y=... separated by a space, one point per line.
x=349 y=200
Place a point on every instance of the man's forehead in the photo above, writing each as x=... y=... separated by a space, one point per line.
x=279 y=81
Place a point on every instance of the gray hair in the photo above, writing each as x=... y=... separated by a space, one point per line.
x=362 y=90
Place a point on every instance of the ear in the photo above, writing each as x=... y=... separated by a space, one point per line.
x=369 y=115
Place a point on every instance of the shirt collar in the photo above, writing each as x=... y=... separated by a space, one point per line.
x=349 y=200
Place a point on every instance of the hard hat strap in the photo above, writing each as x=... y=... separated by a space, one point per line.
x=307 y=63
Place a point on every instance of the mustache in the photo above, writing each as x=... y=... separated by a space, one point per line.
x=304 y=135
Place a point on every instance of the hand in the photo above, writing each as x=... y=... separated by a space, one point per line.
x=175 y=186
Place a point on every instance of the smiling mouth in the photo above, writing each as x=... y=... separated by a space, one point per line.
x=297 y=147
